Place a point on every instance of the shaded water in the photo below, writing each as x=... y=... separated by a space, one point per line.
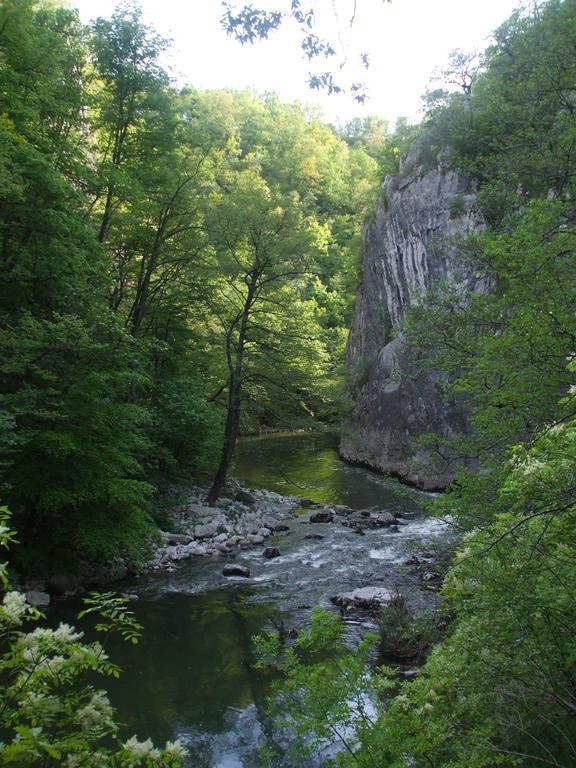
x=192 y=675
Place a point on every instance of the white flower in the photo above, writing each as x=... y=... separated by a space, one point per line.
x=14 y=607
x=67 y=634
x=141 y=749
x=175 y=749
x=97 y=712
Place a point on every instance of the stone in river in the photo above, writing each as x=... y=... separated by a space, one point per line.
x=38 y=599
x=342 y=509
x=384 y=519
x=271 y=552
x=233 y=569
x=274 y=525
x=326 y=516
x=314 y=536
x=367 y=598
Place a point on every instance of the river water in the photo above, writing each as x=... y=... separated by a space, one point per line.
x=192 y=675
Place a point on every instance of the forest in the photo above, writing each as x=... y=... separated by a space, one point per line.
x=178 y=268
x=171 y=261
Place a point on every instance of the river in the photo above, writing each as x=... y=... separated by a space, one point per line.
x=192 y=675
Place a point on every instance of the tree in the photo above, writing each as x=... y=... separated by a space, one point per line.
x=248 y=24
x=125 y=55
x=261 y=247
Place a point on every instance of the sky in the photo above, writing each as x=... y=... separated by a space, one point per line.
x=407 y=41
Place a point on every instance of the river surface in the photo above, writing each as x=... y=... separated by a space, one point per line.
x=192 y=675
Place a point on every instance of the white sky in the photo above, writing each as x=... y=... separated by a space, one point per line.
x=407 y=41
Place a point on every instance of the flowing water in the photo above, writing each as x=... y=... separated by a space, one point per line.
x=192 y=675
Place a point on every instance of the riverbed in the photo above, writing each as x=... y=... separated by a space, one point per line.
x=192 y=676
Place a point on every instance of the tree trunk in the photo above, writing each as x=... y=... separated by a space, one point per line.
x=236 y=368
x=230 y=437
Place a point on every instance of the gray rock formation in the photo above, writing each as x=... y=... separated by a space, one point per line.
x=409 y=248
x=367 y=598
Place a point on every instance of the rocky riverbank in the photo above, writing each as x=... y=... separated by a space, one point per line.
x=244 y=521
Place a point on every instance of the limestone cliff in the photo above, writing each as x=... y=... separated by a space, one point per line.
x=407 y=249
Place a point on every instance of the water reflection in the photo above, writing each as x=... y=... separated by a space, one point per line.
x=192 y=674
x=307 y=464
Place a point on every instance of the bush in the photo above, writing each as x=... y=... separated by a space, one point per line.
x=49 y=714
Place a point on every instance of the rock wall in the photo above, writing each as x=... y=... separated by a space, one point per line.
x=408 y=248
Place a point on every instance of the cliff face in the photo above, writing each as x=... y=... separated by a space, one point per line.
x=408 y=248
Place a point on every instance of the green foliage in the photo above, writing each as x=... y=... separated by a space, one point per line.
x=124 y=205
x=404 y=636
x=50 y=714
x=327 y=699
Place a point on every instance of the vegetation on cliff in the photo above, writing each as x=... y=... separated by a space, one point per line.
x=499 y=689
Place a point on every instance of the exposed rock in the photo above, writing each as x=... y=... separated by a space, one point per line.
x=38 y=599
x=59 y=583
x=326 y=516
x=342 y=509
x=431 y=576
x=384 y=519
x=418 y=560
x=271 y=552
x=264 y=532
x=175 y=538
x=204 y=531
x=410 y=673
x=408 y=249
x=130 y=596
x=314 y=537
x=200 y=511
x=233 y=569
x=366 y=598
x=245 y=498
x=255 y=539
x=273 y=524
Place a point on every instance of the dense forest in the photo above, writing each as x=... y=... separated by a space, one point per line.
x=172 y=260
x=178 y=268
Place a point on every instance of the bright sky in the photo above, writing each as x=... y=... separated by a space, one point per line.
x=407 y=41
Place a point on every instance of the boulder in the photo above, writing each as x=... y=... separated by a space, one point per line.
x=366 y=598
x=59 y=583
x=342 y=509
x=175 y=538
x=431 y=576
x=38 y=599
x=204 y=531
x=255 y=539
x=314 y=537
x=198 y=511
x=271 y=552
x=384 y=519
x=274 y=525
x=233 y=569
x=245 y=498
x=325 y=516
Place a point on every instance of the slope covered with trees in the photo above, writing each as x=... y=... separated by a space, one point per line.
x=170 y=261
